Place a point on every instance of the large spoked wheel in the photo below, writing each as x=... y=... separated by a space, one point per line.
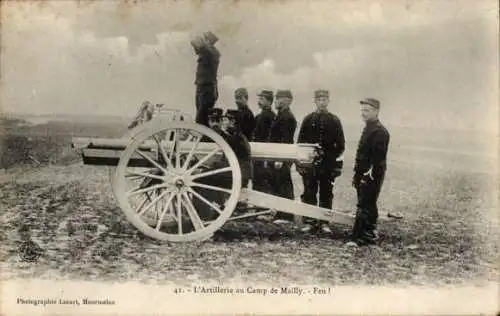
x=177 y=181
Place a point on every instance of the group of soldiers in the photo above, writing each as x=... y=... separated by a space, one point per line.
x=320 y=126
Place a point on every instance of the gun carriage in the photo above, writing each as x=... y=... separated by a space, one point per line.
x=168 y=171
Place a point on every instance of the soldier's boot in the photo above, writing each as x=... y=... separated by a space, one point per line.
x=371 y=232
x=360 y=227
x=308 y=225
x=283 y=218
x=369 y=236
x=327 y=203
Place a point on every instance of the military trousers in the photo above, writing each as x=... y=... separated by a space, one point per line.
x=367 y=210
x=206 y=97
x=314 y=183
x=282 y=186
x=261 y=177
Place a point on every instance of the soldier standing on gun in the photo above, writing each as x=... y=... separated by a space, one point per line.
x=369 y=172
x=282 y=131
x=263 y=120
x=324 y=128
x=245 y=117
x=206 y=75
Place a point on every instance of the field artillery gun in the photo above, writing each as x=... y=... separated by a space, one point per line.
x=168 y=175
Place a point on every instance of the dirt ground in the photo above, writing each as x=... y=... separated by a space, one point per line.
x=448 y=234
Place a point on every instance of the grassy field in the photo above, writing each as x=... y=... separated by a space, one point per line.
x=448 y=195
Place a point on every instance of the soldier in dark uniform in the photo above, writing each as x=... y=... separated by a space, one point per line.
x=246 y=120
x=369 y=172
x=282 y=131
x=206 y=75
x=261 y=175
x=324 y=128
x=227 y=127
x=215 y=123
x=239 y=143
x=215 y=119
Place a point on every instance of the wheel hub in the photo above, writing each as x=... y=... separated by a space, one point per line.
x=179 y=183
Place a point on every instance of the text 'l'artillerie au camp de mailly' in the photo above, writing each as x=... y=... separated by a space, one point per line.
x=296 y=290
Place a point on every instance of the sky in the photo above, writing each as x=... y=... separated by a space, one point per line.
x=432 y=64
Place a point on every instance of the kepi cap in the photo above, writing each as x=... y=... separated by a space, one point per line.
x=372 y=102
x=241 y=92
x=321 y=93
x=215 y=112
x=284 y=94
x=268 y=94
x=232 y=114
x=210 y=37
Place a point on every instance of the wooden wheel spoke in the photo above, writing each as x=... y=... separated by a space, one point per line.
x=171 y=154
x=210 y=187
x=189 y=138
x=179 y=213
x=143 y=174
x=170 y=212
x=151 y=160
x=193 y=215
x=165 y=208
x=163 y=153
x=177 y=149
x=143 y=170
x=204 y=159
x=148 y=196
x=132 y=177
x=132 y=173
x=143 y=203
x=139 y=191
x=191 y=152
x=210 y=173
x=154 y=201
x=218 y=210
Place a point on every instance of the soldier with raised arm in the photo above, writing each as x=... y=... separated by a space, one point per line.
x=207 y=92
x=369 y=172
x=324 y=128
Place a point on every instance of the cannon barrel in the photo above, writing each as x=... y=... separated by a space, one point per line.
x=107 y=151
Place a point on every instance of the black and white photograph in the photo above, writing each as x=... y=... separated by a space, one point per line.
x=194 y=157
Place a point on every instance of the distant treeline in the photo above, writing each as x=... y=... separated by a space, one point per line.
x=16 y=126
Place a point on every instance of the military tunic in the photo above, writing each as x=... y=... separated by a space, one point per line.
x=325 y=129
x=282 y=131
x=263 y=122
x=241 y=148
x=371 y=156
x=207 y=92
x=246 y=121
x=261 y=175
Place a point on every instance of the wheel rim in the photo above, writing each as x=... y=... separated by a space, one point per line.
x=171 y=197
